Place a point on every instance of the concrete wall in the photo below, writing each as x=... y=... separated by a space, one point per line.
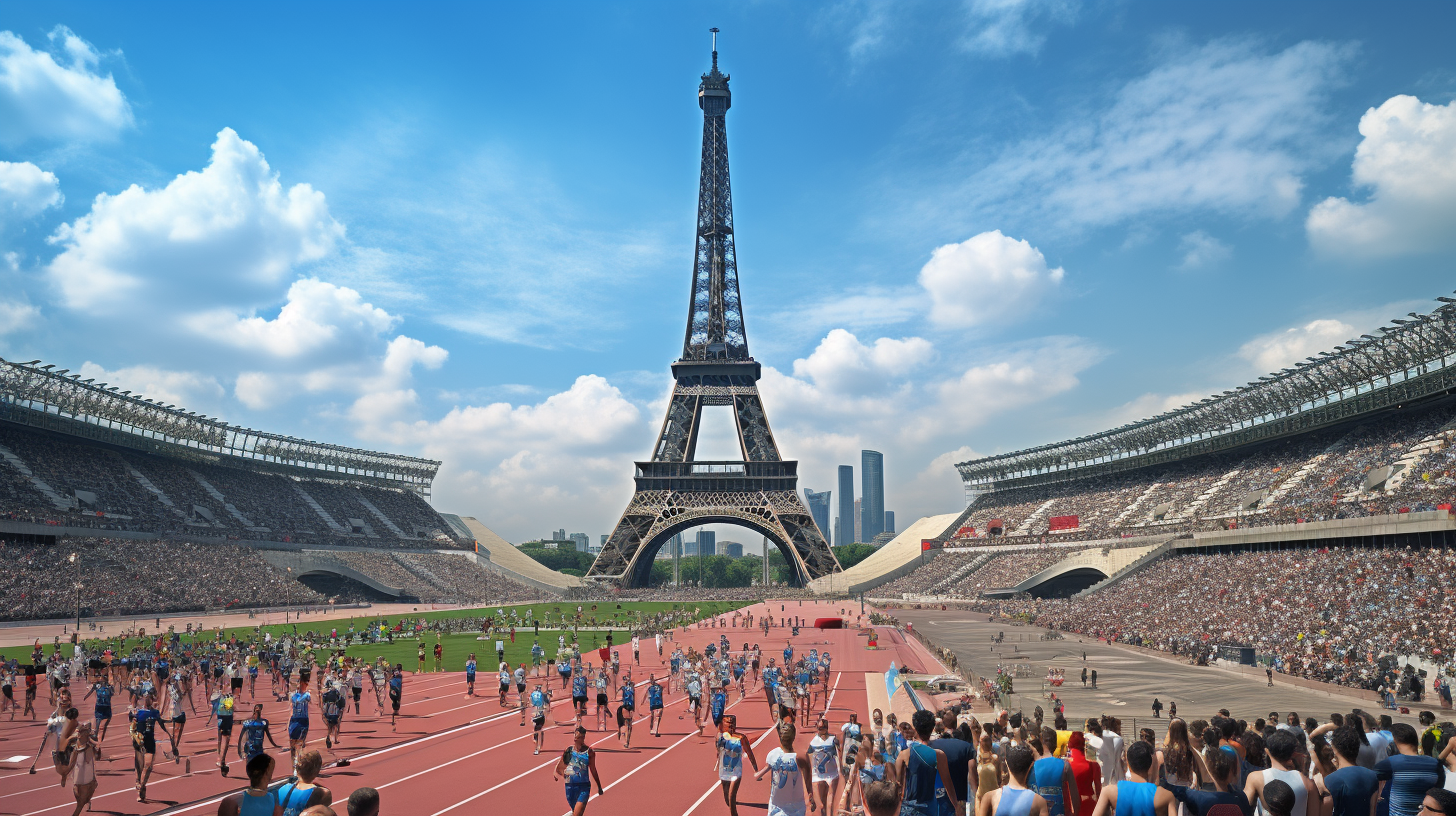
x=1394 y=524
x=302 y=562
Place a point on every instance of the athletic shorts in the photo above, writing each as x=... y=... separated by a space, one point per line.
x=180 y=719
x=538 y=722
x=298 y=729
x=580 y=701
x=225 y=726
x=103 y=713
x=695 y=702
x=505 y=687
x=629 y=709
x=791 y=810
x=334 y=720
x=601 y=699
x=394 y=703
x=717 y=719
x=9 y=693
x=149 y=743
x=520 y=688
x=654 y=706
x=217 y=674
x=357 y=691
x=577 y=792
x=162 y=673
x=237 y=682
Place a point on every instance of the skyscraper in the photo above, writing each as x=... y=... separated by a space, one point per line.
x=872 y=508
x=846 y=505
x=858 y=519
x=818 y=502
x=581 y=540
x=889 y=521
x=733 y=549
x=707 y=543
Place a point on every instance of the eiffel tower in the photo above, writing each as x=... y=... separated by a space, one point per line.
x=674 y=491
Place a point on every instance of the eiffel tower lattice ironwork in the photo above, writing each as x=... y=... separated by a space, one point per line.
x=673 y=491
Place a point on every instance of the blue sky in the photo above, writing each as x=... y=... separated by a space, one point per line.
x=465 y=231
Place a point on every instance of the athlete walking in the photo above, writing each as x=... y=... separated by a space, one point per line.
x=732 y=746
x=787 y=786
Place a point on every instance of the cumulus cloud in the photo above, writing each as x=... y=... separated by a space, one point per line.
x=187 y=389
x=229 y=233
x=58 y=96
x=1226 y=127
x=26 y=191
x=990 y=278
x=1278 y=350
x=563 y=460
x=1003 y=28
x=1407 y=161
x=1199 y=249
x=317 y=315
x=843 y=366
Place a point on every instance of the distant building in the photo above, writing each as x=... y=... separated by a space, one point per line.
x=604 y=539
x=707 y=542
x=837 y=538
x=551 y=545
x=582 y=541
x=818 y=502
x=673 y=545
x=559 y=535
x=889 y=521
x=732 y=549
x=858 y=518
x=872 y=493
x=848 y=512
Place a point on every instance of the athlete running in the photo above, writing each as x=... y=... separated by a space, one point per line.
x=654 y=706
x=470 y=675
x=732 y=746
x=575 y=764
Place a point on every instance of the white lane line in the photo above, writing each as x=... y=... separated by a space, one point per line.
x=761 y=737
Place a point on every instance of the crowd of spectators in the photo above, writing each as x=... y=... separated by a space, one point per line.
x=121 y=576
x=924 y=579
x=103 y=489
x=1325 y=614
x=1312 y=477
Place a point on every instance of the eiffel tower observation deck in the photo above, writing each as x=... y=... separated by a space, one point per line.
x=675 y=491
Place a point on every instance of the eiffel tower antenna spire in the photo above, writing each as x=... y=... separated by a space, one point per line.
x=675 y=491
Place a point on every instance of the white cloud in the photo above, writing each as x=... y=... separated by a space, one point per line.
x=1407 y=160
x=43 y=97
x=230 y=233
x=1201 y=249
x=317 y=315
x=16 y=316
x=186 y=389
x=563 y=461
x=1146 y=406
x=376 y=381
x=1278 y=350
x=26 y=191
x=1003 y=28
x=990 y=278
x=1225 y=127
x=843 y=366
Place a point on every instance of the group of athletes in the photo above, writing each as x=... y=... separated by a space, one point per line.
x=166 y=682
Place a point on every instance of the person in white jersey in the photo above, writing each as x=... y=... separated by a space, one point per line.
x=789 y=770
x=824 y=765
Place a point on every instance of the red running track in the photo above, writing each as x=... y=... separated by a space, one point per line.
x=453 y=755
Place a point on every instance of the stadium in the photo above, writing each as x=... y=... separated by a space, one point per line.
x=1285 y=546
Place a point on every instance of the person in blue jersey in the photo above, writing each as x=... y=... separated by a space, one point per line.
x=103 y=690
x=251 y=734
x=540 y=703
x=222 y=706
x=563 y=668
x=732 y=747
x=628 y=709
x=578 y=766
x=1012 y=799
x=396 y=694
x=654 y=707
x=299 y=703
x=924 y=768
x=788 y=654
x=1135 y=796
x=717 y=704
x=1052 y=778
x=332 y=706
x=770 y=679
x=470 y=675
x=1405 y=775
x=144 y=736
x=788 y=788
x=257 y=799
x=578 y=695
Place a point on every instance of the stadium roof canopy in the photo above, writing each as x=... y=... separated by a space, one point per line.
x=1411 y=359
x=34 y=395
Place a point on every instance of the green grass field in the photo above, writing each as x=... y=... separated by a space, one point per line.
x=618 y=616
x=404 y=650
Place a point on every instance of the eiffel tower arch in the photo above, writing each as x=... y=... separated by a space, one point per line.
x=675 y=491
